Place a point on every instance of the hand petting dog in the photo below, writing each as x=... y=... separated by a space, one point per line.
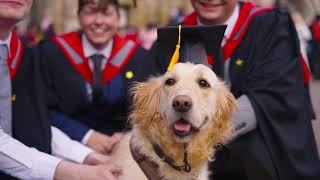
x=102 y=143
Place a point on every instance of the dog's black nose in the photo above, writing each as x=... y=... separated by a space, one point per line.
x=182 y=103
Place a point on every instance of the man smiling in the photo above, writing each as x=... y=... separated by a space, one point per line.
x=87 y=74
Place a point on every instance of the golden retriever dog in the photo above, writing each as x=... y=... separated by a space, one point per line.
x=178 y=118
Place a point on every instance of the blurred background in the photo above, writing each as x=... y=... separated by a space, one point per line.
x=59 y=16
x=63 y=13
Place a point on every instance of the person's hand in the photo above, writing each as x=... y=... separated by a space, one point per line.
x=105 y=172
x=95 y=158
x=72 y=171
x=102 y=143
x=148 y=167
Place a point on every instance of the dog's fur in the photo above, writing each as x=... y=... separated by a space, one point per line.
x=153 y=119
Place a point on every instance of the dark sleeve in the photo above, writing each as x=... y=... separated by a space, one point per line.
x=151 y=64
x=141 y=64
x=275 y=78
x=72 y=127
x=275 y=88
x=51 y=98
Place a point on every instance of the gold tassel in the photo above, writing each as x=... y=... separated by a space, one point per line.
x=176 y=54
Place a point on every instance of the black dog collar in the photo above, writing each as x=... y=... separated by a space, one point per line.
x=185 y=167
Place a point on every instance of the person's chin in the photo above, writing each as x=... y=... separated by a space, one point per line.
x=9 y=17
x=210 y=16
x=14 y=13
x=210 y=13
x=208 y=7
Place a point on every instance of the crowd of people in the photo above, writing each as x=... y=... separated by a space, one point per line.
x=64 y=102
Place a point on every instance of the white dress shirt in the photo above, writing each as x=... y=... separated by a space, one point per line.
x=7 y=42
x=89 y=50
x=231 y=22
x=24 y=162
x=5 y=90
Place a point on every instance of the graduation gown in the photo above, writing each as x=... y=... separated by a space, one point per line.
x=66 y=80
x=30 y=119
x=264 y=64
x=314 y=49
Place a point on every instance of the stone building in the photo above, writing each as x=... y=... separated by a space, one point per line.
x=157 y=11
x=64 y=12
x=60 y=12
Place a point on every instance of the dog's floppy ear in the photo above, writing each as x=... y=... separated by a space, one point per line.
x=225 y=106
x=146 y=97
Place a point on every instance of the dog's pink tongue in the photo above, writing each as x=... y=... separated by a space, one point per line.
x=182 y=127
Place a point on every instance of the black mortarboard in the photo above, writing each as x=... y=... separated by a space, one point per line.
x=196 y=43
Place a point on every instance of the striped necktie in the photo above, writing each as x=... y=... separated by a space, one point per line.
x=5 y=92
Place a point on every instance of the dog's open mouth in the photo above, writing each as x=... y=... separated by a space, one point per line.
x=183 y=128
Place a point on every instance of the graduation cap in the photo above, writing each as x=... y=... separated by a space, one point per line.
x=189 y=43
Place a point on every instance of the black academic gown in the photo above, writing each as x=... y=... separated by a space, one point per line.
x=314 y=50
x=68 y=90
x=270 y=75
x=30 y=120
x=283 y=146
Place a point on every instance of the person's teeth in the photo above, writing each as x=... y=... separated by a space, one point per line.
x=98 y=30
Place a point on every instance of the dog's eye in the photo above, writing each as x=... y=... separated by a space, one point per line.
x=170 y=82
x=203 y=83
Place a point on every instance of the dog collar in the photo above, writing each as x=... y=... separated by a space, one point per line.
x=185 y=167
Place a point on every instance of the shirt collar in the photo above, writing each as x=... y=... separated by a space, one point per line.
x=231 y=22
x=89 y=50
x=7 y=42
